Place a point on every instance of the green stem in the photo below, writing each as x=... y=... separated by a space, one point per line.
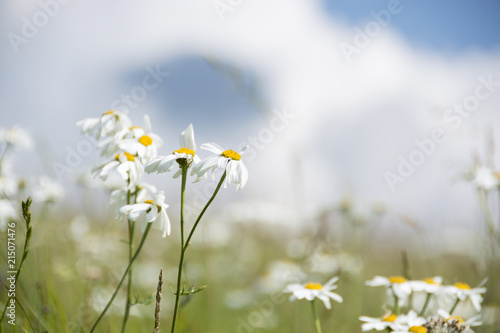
x=316 y=318
x=27 y=217
x=489 y=220
x=221 y=181
x=184 y=167
x=426 y=304
x=454 y=306
x=184 y=245
x=131 y=229
x=396 y=303
x=134 y=257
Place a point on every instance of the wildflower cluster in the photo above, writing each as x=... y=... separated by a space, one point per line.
x=132 y=151
x=438 y=304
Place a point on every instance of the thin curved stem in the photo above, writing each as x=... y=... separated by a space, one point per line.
x=426 y=304
x=454 y=306
x=221 y=181
x=143 y=239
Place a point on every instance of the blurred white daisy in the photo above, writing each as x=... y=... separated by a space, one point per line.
x=429 y=285
x=379 y=324
x=412 y=329
x=140 y=193
x=152 y=211
x=17 y=137
x=484 y=178
x=463 y=291
x=7 y=213
x=127 y=165
x=411 y=320
x=228 y=160
x=460 y=322
x=108 y=124
x=310 y=291
x=398 y=284
x=8 y=186
x=47 y=190
x=163 y=164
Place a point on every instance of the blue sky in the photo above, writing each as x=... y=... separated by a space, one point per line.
x=444 y=25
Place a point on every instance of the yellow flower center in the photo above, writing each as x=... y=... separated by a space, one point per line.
x=106 y=113
x=148 y=202
x=184 y=151
x=134 y=127
x=390 y=318
x=418 y=329
x=461 y=285
x=430 y=281
x=457 y=318
x=129 y=157
x=231 y=154
x=397 y=279
x=146 y=140
x=313 y=286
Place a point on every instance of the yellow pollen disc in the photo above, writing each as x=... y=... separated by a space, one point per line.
x=129 y=157
x=146 y=140
x=184 y=151
x=314 y=286
x=390 y=318
x=418 y=329
x=430 y=281
x=397 y=279
x=461 y=285
x=231 y=154
x=459 y=319
x=134 y=127
x=106 y=113
x=148 y=202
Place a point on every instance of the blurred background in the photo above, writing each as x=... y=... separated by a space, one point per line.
x=372 y=112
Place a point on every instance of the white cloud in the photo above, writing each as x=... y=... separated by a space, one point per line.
x=355 y=118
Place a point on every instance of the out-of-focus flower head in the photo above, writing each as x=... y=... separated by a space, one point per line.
x=108 y=124
x=152 y=211
x=310 y=291
x=228 y=160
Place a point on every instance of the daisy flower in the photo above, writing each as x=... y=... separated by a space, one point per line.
x=48 y=190
x=16 y=136
x=164 y=164
x=378 y=324
x=127 y=165
x=228 y=160
x=141 y=142
x=152 y=211
x=429 y=285
x=110 y=145
x=310 y=291
x=412 y=329
x=106 y=125
x=8 y=186
x=140 y=193
x=398 y=284
x=484 y=178
x=459 y=321
x=463 y=291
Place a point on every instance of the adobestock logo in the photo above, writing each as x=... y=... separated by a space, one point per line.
x=372 y=29
x=31 y=26
x=453 y=117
